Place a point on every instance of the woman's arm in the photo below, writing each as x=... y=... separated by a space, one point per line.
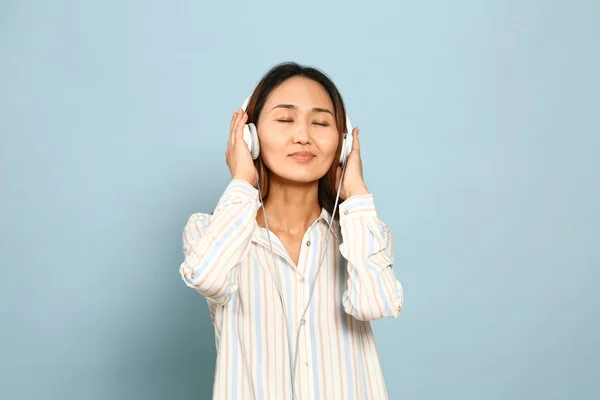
x=372 y=290
x=214 y=245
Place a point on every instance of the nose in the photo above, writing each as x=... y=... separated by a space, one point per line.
x=301 y=134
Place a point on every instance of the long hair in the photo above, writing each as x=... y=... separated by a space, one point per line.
x=271 y=80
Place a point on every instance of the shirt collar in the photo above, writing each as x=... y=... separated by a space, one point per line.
x=324 y=218
x=322 y=222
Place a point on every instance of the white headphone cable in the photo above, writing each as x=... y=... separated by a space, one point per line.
x=250 y=381
x=312 y=289
x=275 y=272
x=279 y=290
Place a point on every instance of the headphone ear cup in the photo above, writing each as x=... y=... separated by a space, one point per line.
x=346 y=148
x=251 y=138
x=346 y=143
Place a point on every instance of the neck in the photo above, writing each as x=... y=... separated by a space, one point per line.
x=291 y=207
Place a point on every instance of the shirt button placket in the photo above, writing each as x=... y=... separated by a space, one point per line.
x=304 y=336
x=304 y=361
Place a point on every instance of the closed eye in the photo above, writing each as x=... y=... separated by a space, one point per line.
x=289 y=121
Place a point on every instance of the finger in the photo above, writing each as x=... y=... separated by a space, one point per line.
x=231 y=125
x=232 y=121
x=242 y=122
x=355 y=142
x=236 y=126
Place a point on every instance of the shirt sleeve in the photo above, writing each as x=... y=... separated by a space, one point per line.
x=214 y=245
x=372 y=289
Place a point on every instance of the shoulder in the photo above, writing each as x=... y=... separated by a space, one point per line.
x=200 y=219
x=384 y=227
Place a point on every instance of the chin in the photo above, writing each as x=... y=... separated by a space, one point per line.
x=299 y=174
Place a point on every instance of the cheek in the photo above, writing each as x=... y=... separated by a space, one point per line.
x=272 y=144
x=328 y=144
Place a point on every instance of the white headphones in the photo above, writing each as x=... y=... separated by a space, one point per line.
x=251 y=138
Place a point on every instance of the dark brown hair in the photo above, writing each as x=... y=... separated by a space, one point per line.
x=271 y=80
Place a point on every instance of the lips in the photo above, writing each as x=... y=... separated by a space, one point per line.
x=302 y=155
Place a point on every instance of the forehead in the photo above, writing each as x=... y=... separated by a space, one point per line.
x=299 y=91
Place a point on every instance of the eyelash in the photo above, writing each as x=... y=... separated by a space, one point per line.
x=287 y=121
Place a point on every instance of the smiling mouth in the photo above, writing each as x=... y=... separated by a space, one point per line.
x=302 y=156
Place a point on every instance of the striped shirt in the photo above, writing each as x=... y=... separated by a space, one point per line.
x=228 y=260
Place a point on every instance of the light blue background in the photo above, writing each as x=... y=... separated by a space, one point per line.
x=480 y=127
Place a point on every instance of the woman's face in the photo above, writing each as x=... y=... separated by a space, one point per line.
x=297 y=131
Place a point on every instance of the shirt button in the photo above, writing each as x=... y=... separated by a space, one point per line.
x=306 y=364
x=346 y=212
x=303 y=321
x=308 y=243
x=301 y=280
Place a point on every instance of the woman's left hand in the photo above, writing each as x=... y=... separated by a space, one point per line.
x=353 y=184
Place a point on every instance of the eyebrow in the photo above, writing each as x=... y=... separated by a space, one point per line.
x=293 y=107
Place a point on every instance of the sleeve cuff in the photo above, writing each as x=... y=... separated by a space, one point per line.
x=242 y=187
x=358 y=206
x=238 y=191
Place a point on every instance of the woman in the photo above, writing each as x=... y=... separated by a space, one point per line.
x=281 y=333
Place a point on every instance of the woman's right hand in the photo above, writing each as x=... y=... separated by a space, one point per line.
x=238 y=157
